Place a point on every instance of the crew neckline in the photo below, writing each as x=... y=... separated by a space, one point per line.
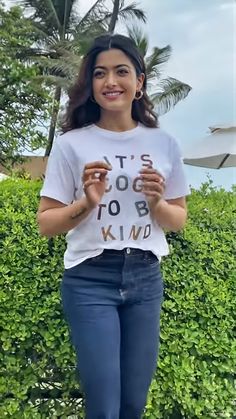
x=116 y=134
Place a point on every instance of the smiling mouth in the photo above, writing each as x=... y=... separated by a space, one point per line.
x=112 y=94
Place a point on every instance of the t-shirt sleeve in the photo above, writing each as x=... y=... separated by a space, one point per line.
x=59 y=182
x=176 y=184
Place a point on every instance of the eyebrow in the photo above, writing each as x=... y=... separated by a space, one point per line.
x=117 y=66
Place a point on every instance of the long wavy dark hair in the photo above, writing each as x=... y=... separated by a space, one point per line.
x=82 y=110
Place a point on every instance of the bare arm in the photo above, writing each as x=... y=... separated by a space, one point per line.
x=170 y=214
x=55 y=218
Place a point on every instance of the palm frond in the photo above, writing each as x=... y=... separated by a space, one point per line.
x=53 y=15
x=156 y=59
x=31 y=54
x=43 y=11
x=67 y=14
x=170 y=92
x=127 y=13
x=52 y=49
x=83 y=40
x=31 y=5
x=53 y=81
x=66 y=65
x=132 y=11
x=139 y=38
x=40 y=30
x=96 y=13
x=49 y=5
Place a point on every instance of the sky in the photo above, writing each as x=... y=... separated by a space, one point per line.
x=201 y=34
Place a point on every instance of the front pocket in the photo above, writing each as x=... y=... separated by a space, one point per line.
x=151 y=259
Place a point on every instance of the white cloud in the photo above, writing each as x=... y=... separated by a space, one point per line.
x=202 y=47
x=201 y=35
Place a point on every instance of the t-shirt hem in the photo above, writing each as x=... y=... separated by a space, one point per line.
x=78 y=261
x=177 y=195
x=54 y=196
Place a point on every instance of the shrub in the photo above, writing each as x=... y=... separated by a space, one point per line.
x=194 y=378
x=36 y=359
x=198 y=346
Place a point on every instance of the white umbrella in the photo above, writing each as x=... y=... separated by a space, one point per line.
x=3 y=176
x=216 y=150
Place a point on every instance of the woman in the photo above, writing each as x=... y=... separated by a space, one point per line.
x=114 y=181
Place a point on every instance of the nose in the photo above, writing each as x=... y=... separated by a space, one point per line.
x=110 y=79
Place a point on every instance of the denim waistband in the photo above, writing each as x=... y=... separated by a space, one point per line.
x=127 y=251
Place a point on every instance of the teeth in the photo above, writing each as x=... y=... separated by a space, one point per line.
x=113 y=94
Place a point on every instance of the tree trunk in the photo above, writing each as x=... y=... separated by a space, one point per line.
x=55 y=110
x=114 y=16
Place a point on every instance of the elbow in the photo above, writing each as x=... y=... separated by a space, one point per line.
x=178 y=225
x=177 y=229
x=42 y=226
x=45 y=233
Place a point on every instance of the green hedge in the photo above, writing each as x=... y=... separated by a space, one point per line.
x=198 y=349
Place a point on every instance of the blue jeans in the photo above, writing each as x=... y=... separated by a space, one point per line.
x=112 y=303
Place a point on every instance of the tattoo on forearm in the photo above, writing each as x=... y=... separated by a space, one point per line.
x=79 y=213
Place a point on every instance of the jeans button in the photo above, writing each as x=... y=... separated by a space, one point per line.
x=128 y=250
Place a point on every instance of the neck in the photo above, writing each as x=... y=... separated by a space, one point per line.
x=116 y=122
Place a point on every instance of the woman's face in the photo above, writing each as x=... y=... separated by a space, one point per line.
x=115 y=81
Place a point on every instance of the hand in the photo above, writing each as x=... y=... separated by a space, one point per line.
x=94 y=181
x=153 y=185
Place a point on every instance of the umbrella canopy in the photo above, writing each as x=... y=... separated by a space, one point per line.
x=3 y=176
x=216 y=150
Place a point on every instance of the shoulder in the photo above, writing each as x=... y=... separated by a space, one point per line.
x=75 y=134
x=158 y=135
x=71 y=141
x=157 y=132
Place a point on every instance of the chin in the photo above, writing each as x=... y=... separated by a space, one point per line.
x=114 y=106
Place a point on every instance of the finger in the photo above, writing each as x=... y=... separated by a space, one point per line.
x=151 y=176
x=150 y=170
x=102 y=177
x=98 y=164
x=154 y=186
x=94 y=172
x=89 y=183
x=94 y=175
x=153 y=194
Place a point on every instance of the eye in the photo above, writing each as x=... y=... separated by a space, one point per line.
x=123 y=71
x=98 y=74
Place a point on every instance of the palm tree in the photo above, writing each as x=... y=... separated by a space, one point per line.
x=119 y=11
x=54 y=22
x=169 y=91
x=60 y=30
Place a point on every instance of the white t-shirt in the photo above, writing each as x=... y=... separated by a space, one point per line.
x=122 y=219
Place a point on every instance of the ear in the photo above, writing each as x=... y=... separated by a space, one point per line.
x=140 y=80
